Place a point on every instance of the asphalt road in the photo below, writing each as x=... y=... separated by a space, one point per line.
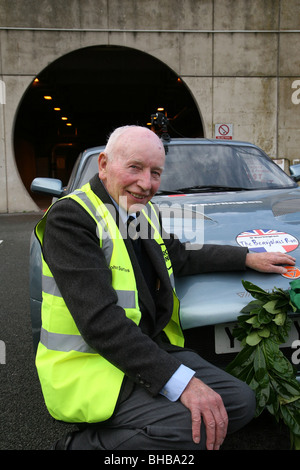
x=24 y=421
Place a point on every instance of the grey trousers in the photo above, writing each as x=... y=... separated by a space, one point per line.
x=143 y=422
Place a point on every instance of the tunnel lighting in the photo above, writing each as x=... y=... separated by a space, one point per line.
x=47 y=97
x=64 y=118
x=56 y=109
x=69 y=124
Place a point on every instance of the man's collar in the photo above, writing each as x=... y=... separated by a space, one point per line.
x=123 y=214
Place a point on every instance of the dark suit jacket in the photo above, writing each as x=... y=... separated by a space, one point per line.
x=71 y=249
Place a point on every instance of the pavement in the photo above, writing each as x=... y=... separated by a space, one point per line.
x=24 y=420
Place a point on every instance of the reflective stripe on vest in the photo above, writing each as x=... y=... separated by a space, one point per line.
x=126 y=299
x=65 y=343
x=107 y=244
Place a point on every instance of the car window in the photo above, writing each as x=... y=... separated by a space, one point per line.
x=193 y=166
x=74 y=174
x=260 y=170
x=90 y=169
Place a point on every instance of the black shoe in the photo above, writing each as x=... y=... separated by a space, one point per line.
x=63 y=443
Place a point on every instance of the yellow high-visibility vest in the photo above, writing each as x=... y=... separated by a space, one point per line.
x=78 y=384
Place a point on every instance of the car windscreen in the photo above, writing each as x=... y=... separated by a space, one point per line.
x=220 y=167
x=211 y=167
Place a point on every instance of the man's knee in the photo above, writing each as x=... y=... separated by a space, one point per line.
x=241 y=408
x=250 y=401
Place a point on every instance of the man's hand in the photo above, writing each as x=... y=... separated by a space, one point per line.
x=269 y=262
x=205 y=404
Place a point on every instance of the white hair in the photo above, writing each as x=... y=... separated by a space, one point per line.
x=112 y=139
x=114 y=136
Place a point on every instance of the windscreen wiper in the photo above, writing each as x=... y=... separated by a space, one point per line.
x=200 y=188
x=166 y=192
x=212 y=188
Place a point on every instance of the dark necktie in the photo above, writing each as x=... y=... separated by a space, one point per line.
x=133 y=229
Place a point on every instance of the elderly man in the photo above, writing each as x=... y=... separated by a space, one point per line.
x=111 y=356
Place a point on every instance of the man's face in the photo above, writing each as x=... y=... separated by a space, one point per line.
x=132 y=176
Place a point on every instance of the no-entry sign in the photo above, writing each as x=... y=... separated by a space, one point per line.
x=224 y=131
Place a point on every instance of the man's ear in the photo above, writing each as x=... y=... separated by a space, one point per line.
x=102 y=165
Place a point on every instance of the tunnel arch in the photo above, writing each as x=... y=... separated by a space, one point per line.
x=96 y=89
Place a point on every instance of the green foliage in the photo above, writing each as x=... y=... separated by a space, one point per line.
x=263 y=326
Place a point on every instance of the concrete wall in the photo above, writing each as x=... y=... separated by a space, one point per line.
x=239 y=58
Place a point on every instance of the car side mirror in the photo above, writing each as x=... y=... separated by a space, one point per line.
x=51 y=186
x=295 y=172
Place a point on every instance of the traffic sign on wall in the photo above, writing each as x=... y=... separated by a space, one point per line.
x=224 y=131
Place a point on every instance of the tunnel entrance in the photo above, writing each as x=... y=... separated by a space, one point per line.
x=81 y=97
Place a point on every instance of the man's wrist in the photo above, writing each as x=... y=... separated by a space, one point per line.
x=177 y=383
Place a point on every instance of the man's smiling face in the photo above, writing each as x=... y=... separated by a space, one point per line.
x=132 y=174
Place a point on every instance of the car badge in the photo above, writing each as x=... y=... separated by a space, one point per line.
x=292 y=272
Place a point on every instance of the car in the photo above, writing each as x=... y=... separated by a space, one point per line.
x=212 y=191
